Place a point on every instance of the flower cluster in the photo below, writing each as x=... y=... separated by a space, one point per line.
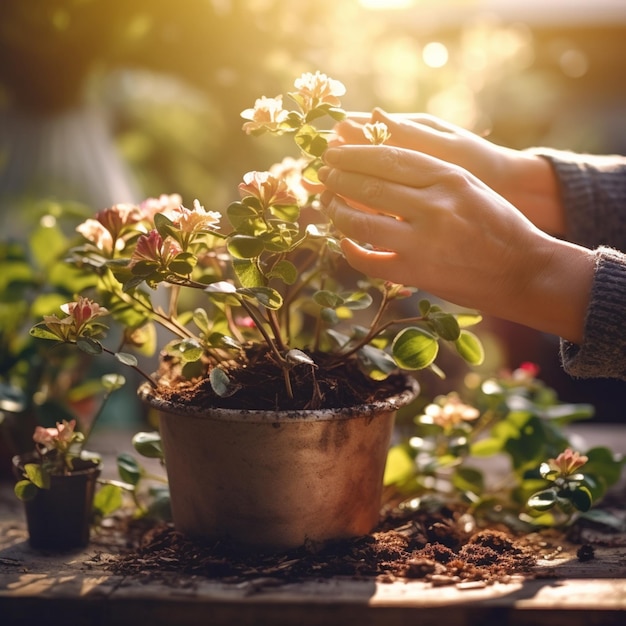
x=267 y=273
x=56 y=452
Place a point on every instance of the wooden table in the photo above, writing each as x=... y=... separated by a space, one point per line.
x=77 y=588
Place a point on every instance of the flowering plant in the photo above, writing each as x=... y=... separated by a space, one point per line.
x=60 y=450
x=518 y=420
x=57 y=451
x=264 y=285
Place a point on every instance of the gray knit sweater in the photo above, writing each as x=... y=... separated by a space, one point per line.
x=593 y=190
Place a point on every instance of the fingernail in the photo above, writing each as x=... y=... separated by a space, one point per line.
x=322 y=173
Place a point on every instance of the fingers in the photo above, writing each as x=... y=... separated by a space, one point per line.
x=379 y=231
x=383 y=178
x=374 y=263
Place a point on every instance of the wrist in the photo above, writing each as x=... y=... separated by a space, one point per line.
x=558 y=289
x=534 y=190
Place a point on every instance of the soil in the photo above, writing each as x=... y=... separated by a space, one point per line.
x=441 y=547
x=259 y=384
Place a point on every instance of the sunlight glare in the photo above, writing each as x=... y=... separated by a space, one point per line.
x=435 y=54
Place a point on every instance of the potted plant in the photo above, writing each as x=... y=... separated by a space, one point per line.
x=57 y=480
x=278 y=391
x=57 y=484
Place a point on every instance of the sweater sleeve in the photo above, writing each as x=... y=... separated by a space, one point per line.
x=602 y=353
x=593 y=191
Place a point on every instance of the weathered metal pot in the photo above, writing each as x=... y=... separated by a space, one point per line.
x=276 y=480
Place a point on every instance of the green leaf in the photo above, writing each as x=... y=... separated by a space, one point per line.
x=25 y=490
x=468 y=479
x=241 y=216
x=486 y=447
x=470 y=348
x=89 y=345
x=108 y=499
x=126 y=359
x=298 y=357
x=35 y=473
x=112 y=382
x=357 y=300
x=221 y=383
x=581 y=498
x=543 y=500
x=248 y=273
x=414 y=348
x=128 y=468
x=286 y=271
x=188 y=350
x=41 y=332
x=445 y=325
x=328 y=299
x=399 y=467
x=468 y=319
x=245 y=246
x=376 y=363
x=201 y=320
x=148 y=444
x=265 y=296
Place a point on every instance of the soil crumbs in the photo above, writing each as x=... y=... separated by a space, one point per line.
x=440 y=549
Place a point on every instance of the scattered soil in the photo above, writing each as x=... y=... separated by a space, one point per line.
x=441 y=547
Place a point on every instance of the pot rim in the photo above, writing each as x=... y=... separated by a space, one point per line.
x=19 y=460
x=393 y=403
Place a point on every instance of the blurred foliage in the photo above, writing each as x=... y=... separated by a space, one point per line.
x=39 y=386
x=513 y=422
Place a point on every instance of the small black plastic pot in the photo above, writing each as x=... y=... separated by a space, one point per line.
x=59 y=518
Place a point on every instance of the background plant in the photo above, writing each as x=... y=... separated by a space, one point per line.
x=515 y=427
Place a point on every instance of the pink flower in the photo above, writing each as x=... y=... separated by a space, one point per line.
x=316 y=89
x=568 y=462
x=59 y=437
x=80 y=315
x=196 y=220
x=153 y=248
x=94 y=231
x=290 y=171
x=267 y=114
x=268 y=189
x=163 y=204
x=119 y=216
x=83 y=311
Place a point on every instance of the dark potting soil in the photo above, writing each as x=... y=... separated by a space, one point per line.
x=258 y=383
x=440 y=547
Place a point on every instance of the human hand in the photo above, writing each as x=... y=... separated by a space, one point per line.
x=418 y=220
x=524 y=179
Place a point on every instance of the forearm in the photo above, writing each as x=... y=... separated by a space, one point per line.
x=554 y=280
x=528 y=181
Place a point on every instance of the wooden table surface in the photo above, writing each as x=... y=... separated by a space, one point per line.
x=77 y=588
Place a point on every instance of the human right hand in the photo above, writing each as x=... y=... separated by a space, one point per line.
x=524 y=179
x=414 y=219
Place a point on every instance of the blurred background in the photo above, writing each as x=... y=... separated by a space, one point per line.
x=105 y=101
